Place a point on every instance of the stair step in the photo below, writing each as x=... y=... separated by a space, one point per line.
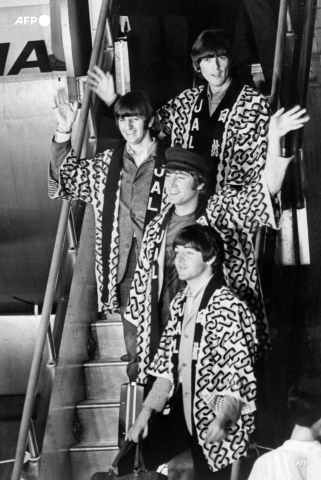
x=88 y=458
x=99 y=420
x=109 y=339
x=103 y=379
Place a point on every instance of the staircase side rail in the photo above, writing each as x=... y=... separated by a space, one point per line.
x=299 y=91
x=55 y=266
x=278 y=57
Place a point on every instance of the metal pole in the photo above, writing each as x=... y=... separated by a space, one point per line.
x=52 y=360
x=279 y=49
x=54 y=268
x=40 y=342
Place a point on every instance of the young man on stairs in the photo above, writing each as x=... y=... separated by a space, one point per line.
x=125 y=187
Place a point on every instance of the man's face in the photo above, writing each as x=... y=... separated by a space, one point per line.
x=216 y=70
x=132 y=129
x=180 y=187
x=189 y=262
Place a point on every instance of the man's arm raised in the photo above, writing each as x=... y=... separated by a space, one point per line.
x=66 y=114
x=281 y=123
x=102 y=84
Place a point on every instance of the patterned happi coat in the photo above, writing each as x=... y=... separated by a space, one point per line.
x=86 y=180
x=222 y=364
x=236 y=216
x=239 y=130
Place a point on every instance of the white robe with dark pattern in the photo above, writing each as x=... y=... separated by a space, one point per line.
x=236 y=216
x=224 y=366
x=244 y=143
x=86 y=180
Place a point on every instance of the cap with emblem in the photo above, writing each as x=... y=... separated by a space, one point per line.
x=181 y=159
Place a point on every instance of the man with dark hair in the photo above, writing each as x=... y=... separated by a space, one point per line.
x=224 y=120
x=235 y=215
x=206 y=357
x=125 y=187
x=300 y=457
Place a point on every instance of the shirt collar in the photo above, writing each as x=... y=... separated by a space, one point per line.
x=200 y=291
x=211 y=97
x=150 y=151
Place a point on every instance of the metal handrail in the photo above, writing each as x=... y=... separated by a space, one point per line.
x=55 y=265
x=279 y=51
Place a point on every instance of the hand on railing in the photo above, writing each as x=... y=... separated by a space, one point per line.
x=102 y=84
x=65 y=111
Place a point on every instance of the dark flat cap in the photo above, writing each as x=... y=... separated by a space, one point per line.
x=181 y=159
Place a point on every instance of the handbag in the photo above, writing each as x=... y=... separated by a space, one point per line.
x=139 y=471
x=161 y=443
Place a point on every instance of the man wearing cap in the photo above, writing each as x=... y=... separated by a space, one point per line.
x=236 y=215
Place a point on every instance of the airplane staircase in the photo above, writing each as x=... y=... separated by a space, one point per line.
x=98 y=414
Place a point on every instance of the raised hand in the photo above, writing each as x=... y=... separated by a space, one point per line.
x=102 y=84
x=65 y=111
x=283 y=122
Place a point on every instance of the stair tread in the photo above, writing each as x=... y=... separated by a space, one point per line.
x=107 y=323
x=99 y=402
x=108 y=444
x=106 y=360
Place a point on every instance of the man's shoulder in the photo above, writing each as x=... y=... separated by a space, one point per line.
x=225 y=298
x=104 y=157
x=189 y=94
x=250 y=95
x=226 y=294
x=157 y=220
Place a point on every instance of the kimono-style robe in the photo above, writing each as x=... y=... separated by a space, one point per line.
x=222 y=364
x=235 y=136
x=236 y=216
x=86 y=180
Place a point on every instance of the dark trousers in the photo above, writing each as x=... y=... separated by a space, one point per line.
x=130 y=330
x=174 y=435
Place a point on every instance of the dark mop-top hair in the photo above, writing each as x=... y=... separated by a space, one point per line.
x=211 y=43
x=205 y=240
x=137 y=104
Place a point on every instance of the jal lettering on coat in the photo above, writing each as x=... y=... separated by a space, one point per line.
x=175 y=349
x=195 y=125
x=159 y=172
x=190 y=141
x=154 y=276
x=199 y=108
x=160 y=238
x=155 y=187
x=178 y=329
x=149 y=206
x=156 y=254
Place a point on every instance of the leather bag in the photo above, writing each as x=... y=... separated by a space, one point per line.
x=139 y=471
